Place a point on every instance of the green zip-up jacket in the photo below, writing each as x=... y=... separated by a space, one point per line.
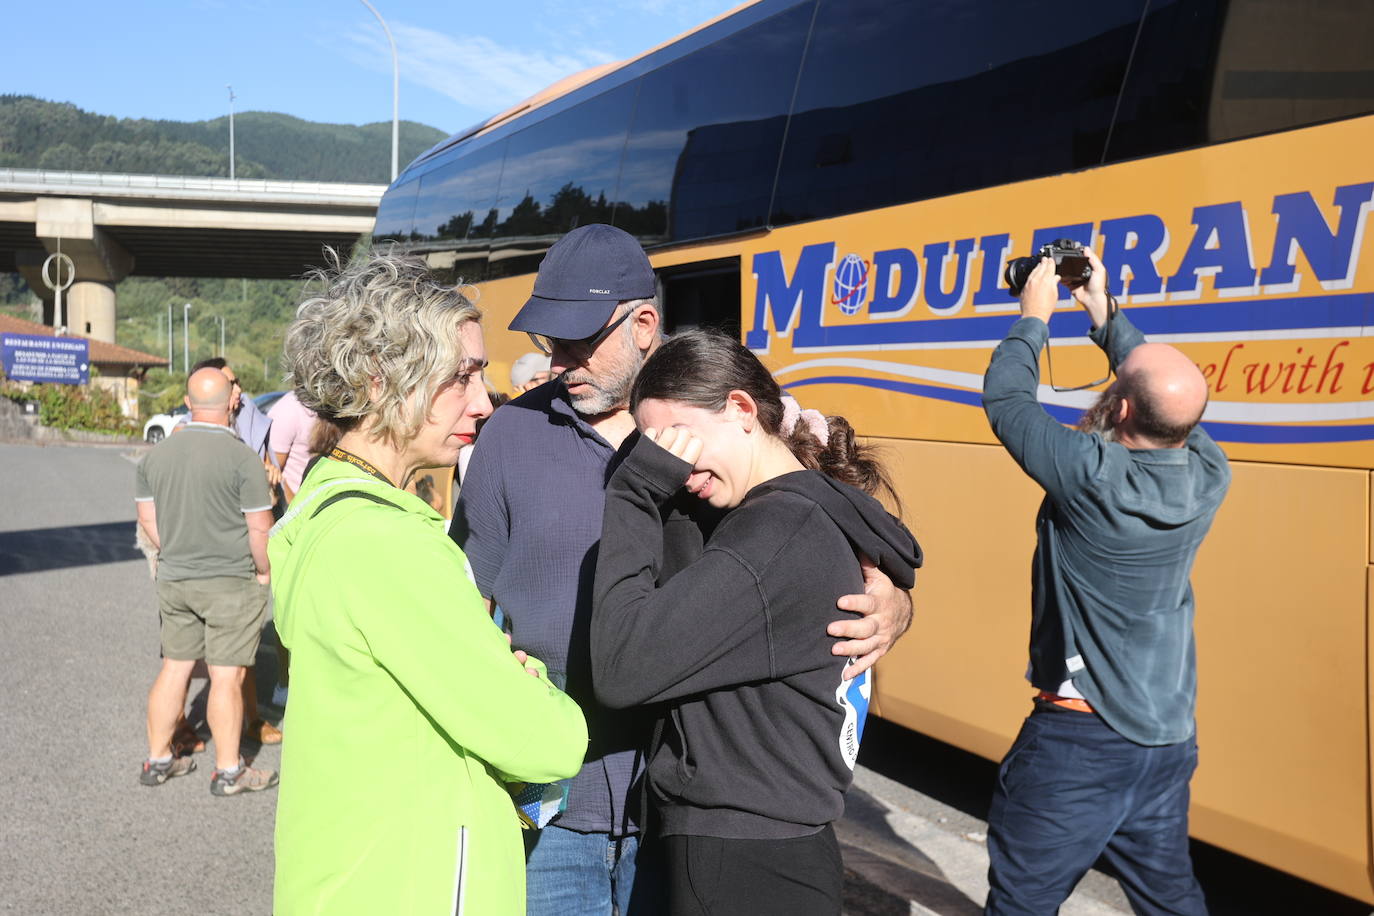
x=408 y=714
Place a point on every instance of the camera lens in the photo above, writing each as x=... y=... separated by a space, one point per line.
x=1017 y=273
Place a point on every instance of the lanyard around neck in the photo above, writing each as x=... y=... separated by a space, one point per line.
x=361 y=464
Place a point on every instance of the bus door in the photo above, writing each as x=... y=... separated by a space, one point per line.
x=701 y=295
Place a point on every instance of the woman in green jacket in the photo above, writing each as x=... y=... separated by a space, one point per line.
x=409 y=714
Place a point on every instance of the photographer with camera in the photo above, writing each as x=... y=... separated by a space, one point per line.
x=1102 y=764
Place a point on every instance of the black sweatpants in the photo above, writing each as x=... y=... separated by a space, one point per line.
x=719 y=877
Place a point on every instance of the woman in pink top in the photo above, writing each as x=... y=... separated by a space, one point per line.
x=289 y=439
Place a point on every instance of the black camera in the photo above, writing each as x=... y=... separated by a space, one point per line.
x=1070 y=263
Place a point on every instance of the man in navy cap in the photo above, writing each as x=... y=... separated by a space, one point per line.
x=529 y=520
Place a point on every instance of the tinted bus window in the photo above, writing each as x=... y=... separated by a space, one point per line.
x=396 y=213
x=1165 y=98
x=704 y=145
x=457 y=208
x=906 y=101
x=1207 y=71
x=559 y=174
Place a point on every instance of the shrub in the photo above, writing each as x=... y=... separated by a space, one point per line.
x=80 y=407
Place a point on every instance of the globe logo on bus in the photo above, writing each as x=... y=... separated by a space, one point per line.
x=851 y=284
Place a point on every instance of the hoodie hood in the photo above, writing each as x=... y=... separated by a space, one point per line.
x=872 y=530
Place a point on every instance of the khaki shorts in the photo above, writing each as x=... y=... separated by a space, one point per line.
x=218 y=619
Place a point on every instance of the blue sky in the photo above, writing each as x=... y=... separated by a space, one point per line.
x=460 y=62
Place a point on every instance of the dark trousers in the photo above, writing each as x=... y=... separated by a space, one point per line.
x=794 y=877
x=1071 y=790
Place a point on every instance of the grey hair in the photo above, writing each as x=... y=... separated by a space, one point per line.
x=373 y=344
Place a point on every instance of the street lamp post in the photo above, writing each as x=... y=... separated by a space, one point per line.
x=186 y=338
x=221 y=334
x=231 y=130
x=395 y=93
x=171 y=360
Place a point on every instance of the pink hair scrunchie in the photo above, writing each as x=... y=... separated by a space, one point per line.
x=815 y=420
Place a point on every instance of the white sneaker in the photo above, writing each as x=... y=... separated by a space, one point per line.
x=279 y=696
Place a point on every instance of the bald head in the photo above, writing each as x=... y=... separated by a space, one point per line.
x=1165 y=391
x=207 y=395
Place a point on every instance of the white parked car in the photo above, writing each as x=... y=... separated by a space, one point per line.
x=159 y=425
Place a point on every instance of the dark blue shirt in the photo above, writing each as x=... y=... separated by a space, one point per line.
x=529 y=519
x=1117 y=533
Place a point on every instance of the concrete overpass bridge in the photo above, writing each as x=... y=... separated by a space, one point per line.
x=116 y=225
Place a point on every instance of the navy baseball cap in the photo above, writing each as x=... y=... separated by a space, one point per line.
x=581 y=279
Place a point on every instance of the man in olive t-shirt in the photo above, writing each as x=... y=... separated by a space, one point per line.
x=202 y=499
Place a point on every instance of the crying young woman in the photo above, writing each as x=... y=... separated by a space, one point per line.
x=760 y=727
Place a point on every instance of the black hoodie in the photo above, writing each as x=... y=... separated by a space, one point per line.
x=762 y=731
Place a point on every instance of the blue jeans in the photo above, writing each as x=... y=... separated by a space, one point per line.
x=1071 y=790
x=568 y=873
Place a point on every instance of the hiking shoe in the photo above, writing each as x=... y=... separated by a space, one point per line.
x=155 y=774
x=246 y=779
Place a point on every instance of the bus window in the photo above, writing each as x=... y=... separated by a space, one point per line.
x=703 y=149
x=456 y=211
x=559 y=174
x=701 y=295
x=900 y=102
x=1164 y=100
x=1207 y=72
x=396 y=213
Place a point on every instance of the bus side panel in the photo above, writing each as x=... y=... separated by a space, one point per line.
x=959 y=673
x=1281 y=586
x=1369 y=685
x=1369 y=678
x=1282 y=674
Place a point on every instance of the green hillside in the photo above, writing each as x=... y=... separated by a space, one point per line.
x=37 y=134
x=52 y=135
x=255 y=312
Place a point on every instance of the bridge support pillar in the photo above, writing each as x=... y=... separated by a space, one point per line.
x=90 y=308
x=67 y=224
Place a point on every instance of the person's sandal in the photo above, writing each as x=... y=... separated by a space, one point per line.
x=187 y=742
x=263 y=732
x=246 y=779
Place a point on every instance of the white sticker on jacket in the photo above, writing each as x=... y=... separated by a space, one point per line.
x=853 y=699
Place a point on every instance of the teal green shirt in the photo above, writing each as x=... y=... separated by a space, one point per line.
x=1117 y=533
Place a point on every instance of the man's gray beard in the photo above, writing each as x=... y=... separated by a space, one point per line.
x=599 y=400
x=608 y=393
x=1098 y=417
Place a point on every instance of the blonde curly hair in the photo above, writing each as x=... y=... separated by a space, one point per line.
x=374 y=342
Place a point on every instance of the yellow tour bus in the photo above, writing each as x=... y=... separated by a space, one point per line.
x=842 y=181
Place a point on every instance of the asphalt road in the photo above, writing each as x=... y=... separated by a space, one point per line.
x=82 y=836
x=80 y=627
